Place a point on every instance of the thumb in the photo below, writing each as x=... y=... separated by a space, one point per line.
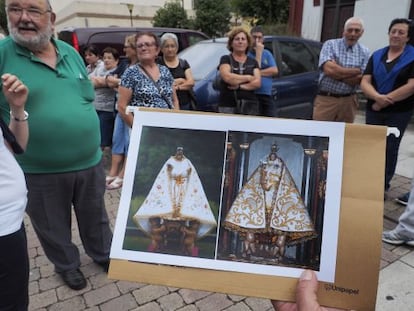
x=306 y=298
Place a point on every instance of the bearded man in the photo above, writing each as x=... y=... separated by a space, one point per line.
x=62 y=163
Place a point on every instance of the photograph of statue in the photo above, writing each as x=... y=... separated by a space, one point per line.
x=268 y=214
x=176 y=211
x=176 y=193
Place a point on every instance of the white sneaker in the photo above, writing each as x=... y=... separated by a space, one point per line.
x=391 y=237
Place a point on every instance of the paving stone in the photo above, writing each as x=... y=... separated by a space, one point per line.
x=149 y=292
x=91 y=269
x=122 y=303
x=171 y=302
x=408 y=259
x=126 y=287
x=43 y=299
x=47 y=270
x=214 y=302
x=75 y=303
x=388 y=256
x=99 y=280
x=100 y=295
x=258 y=304
x=236 y=298
x=54 y=281
x=32 y=252
x=34 y=274
x=151 y=306
x=191 y=296
x=189 y=308
x=240 y=306
x=41 y=261
x=33 y=288
x=64 y=292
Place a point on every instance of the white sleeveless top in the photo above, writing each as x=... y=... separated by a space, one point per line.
x=13 y=191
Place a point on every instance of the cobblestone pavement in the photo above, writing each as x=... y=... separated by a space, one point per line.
x=48 y=292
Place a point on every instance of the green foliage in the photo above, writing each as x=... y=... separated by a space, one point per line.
x=3 y=18
x=212 y=17
x=263 y=11
x=171 y=15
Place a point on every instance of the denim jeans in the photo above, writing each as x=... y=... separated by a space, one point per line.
x=391 y=119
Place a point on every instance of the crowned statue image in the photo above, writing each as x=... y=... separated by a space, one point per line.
x=176 y=211
x=268 y=213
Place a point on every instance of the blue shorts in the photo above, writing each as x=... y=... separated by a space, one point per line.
x=106 y=121
x=120 y=139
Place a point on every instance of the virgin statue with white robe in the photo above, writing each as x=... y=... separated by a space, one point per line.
x=177 y=199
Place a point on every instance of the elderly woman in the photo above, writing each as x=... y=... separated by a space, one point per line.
x=388 y=82
x=120 y=139
x=146 y=84
x=240 y=75
x=179 y=68
x=104 y=95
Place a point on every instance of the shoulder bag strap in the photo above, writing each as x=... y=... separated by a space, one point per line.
x=156 y=85
x=10 y=138
x=231 y=70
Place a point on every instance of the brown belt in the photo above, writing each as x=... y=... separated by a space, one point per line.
x=324 y=93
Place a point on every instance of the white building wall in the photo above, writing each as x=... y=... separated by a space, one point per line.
x=377 y=15
x=97 y=13
x=312 y=20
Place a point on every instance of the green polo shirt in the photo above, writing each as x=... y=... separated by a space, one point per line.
x=64 y=130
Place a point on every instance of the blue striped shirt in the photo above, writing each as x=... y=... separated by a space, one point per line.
x=355 y=56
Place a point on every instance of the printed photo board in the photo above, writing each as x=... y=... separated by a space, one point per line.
x=242 y=205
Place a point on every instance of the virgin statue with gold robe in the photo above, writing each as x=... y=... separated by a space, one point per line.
x=268 y=212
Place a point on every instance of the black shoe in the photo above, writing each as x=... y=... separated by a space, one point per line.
x=103 y=264
x=74 y=279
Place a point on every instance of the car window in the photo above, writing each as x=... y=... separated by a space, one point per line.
x=193 y=38
x=296 y=58
x=204 y=58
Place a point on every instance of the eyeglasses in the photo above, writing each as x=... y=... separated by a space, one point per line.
x=145 y=44
x=31 y=12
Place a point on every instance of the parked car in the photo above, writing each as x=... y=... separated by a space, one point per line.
x=293 y=89
x=103 y=37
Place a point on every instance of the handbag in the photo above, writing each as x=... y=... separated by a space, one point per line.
x=245 y=106
x=217 y=81
x=193 y=99
x=191 y=94
x=248 y=107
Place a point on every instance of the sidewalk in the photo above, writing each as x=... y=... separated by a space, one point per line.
x=48 y=292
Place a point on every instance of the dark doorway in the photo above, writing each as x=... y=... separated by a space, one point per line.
x=336 y=12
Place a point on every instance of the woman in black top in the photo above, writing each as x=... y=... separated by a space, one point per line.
x=388 y=83
x=179 y=68
x=240 y=74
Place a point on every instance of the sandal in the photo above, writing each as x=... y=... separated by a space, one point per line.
x=109 y=179
x=115 y=184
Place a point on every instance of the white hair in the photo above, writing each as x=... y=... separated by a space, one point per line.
x=167 y=36
x=352 y=20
